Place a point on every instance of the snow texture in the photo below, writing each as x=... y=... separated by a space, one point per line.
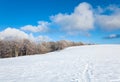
x=94 y=63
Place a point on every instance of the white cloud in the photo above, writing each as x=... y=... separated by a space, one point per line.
x=39 y=38
x=43 y=39
x=13 y=33
x=10 y=33
x=41 y=27
x=81 y=19
x=84 y=18
x=112 y=36
x=109 y=21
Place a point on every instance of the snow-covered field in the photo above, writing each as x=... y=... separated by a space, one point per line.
x=95 y=63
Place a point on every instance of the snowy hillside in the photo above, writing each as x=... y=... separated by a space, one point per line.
x=95 y=63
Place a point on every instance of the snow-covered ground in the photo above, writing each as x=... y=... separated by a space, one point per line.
x=94 y=63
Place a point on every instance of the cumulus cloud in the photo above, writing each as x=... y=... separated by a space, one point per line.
x=109 y=22
x=43 y=38
x=41 y=27
x=13 y=33
x=39 y=38
x=82 y=19
x=10 y=33
x=109 y=18
x=85 y=18
x=112 y=36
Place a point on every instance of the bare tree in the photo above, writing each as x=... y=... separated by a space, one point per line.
x=20 y=47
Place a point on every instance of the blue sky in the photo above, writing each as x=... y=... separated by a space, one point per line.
x=88 y=21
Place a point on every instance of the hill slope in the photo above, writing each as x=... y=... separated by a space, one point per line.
x=95 y=63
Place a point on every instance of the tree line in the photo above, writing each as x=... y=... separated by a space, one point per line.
x=14 y=48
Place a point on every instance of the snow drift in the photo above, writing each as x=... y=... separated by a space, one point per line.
x=95 y=63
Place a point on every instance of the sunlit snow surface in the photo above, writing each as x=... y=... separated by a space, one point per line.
x=93 y=63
